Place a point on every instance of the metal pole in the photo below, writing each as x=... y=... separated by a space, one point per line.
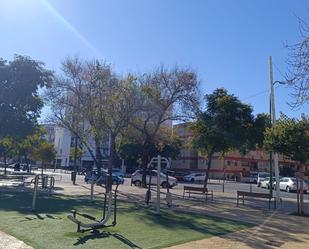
x=36 y=183
x=158 y=183
x=270 y=156
x=273 y=118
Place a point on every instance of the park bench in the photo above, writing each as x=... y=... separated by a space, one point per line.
x=243 y=194
x=197 y=191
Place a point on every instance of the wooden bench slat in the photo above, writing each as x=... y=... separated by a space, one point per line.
x=253 y=194
x=197 y=190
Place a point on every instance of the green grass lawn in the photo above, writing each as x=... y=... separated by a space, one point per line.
x=138 y=226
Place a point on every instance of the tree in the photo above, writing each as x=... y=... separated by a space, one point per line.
x=94 y=104
x=223 y=126
x=79 y=153
x=20 y=103
x=26 y=146
x=6 y=146
x=166 y=95
x=132 y=152
x=44 y=152
x=298 y=70
x=290 y=137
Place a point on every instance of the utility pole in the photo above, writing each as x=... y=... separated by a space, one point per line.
x=273 y=122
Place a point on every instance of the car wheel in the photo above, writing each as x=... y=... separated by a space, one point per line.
x=192 y=180
x=288 y=189
x=164 y=184
x=137 y=183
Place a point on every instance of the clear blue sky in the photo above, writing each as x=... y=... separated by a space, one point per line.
x=227 y=42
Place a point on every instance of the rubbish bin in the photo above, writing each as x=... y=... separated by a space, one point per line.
x=73 y=176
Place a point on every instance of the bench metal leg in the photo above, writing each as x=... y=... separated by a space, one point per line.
x=237 y=200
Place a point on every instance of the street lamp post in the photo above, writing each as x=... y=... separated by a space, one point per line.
x=273 y=122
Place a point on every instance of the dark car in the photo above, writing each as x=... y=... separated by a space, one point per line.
x=179 y=175
x=102 y=178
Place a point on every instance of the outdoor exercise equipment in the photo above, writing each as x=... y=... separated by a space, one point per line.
x=109 y=207
x=48 y=183
x=156 y=163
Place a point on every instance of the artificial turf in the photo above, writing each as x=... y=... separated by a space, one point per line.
x=137 y=227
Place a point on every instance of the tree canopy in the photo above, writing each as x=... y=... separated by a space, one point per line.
x=290 y=137
x=20 y=103
x=226 y=124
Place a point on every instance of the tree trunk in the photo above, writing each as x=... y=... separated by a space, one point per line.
x=208 y=169
x=98 y=156
x=75 y=154
x=111 y=162
x=301 y=197
x=145 y=159
x=5 y=165
x=42 y=165
x=27 y=163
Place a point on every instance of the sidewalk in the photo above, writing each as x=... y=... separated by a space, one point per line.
x=10 y=242
x=273 y=231
x=274 y=228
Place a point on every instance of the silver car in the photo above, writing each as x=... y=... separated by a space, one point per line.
x=289 y=184
x=136 y=179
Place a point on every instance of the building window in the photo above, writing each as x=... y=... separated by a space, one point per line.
x=245 y=163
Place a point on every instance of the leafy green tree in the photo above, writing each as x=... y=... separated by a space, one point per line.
x=290 y=137
x=132 y=152
x=20 y=103
x=6 y=146
x=223 y=126
x=26 y=146
x=44 y=152
x=79 y=153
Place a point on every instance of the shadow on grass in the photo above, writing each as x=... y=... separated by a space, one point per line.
x=101 y=235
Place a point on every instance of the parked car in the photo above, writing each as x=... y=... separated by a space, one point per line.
x=289 y=184
x=195 y=177
x=102 y=178
x=179 y=176
x=265 y=183
x=115 y=178
x=118 y=172
x=136 y=179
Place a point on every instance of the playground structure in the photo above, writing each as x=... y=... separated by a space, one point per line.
x=109 y=207
x=156 y=163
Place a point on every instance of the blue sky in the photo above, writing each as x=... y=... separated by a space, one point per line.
x=227 y=42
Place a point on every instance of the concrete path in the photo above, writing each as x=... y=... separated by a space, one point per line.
x=10 y=242
x=273 y=229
